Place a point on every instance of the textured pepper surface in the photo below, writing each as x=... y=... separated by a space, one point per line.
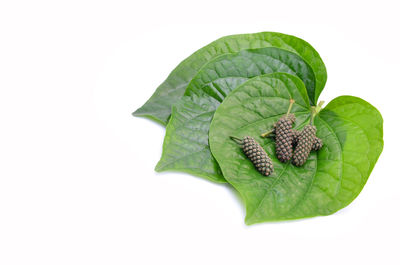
x=257 y=156
x=317 y=143
x=284 y=135
x=305 y=142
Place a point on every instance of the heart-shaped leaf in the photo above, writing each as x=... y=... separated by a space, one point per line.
x=186 y=141
x=158 y=107
x=350 y=128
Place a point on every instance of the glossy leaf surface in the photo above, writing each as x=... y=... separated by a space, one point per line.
x=186 y=141
x=331 y=178
x=159 y=106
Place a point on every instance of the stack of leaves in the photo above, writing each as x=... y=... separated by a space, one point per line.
x=240 y=86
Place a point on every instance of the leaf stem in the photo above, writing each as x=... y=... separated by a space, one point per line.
x=290 y=106
x=315 y=110
x=266 y=134
x=319 y=106
x=236 y=140
x=312 y=115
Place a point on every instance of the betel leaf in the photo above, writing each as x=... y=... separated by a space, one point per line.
x=158 y=107
x=186 y=141
x=350 y=128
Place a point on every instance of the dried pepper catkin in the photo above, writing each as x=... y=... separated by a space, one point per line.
x=306 y=140
x=284 y=135
x=317 y=143
x=304 y=145
x=256 y=154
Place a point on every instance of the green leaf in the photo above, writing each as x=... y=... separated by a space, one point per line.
x=350 y=128
x=158 y=107
x=186 y=141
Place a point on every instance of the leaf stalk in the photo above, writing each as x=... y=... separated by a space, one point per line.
x=236 y=139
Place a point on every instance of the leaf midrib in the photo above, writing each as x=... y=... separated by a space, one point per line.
x=316 y=170
x=273 y=184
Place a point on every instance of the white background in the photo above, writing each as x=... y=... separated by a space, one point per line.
x=77 y=180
